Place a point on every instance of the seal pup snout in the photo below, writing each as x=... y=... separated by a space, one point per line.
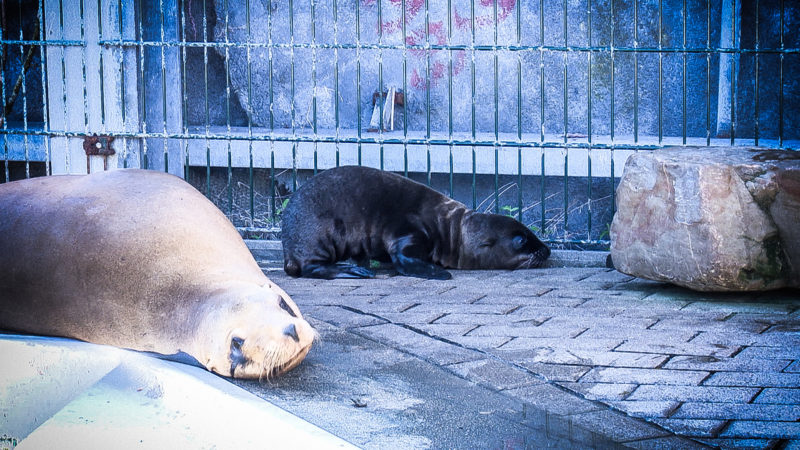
x=535 y=259
x=492 y=241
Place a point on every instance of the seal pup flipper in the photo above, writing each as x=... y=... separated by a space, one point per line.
x=405 y=255
x=331 y=271
x=413 y=267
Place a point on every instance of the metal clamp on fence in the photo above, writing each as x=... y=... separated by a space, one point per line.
x=98 y=146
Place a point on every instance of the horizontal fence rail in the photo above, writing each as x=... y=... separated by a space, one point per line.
x=528 y=109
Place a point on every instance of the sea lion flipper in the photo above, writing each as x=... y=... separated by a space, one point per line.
x=331 y=271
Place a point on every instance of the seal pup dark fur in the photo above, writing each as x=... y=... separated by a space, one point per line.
x=361 y=213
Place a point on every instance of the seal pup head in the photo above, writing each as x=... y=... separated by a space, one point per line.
x=254 y=332
x=492 y=241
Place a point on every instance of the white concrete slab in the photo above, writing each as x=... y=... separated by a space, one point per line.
x=60 y=393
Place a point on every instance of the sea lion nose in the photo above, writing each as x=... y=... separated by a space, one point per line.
x=291 y=331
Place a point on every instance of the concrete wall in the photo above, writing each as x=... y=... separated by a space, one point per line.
x=519 y=75
x=533 y=87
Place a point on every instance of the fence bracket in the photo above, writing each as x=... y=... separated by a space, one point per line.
x=98 y=146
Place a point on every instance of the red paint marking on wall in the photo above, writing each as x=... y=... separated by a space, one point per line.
x=412 y=6
x=505 y=7
x=434 y=63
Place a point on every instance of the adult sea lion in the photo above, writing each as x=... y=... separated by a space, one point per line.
x=362 y=213
x=141 y=260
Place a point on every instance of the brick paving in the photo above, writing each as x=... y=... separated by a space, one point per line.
x=638 y=361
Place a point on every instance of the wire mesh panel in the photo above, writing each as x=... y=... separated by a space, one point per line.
x=524 y=108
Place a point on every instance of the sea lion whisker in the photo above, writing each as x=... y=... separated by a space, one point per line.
x=268 y=363
x=276 y=359
x=315 y=337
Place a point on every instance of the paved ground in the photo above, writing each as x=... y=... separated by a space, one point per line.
x=637 y=362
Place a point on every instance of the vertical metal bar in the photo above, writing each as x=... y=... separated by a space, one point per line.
x=429 y=164
x=24 y=78
x=251 y=181
x=519 y=112
x=358 y=77
x=229 y=180
x=566 y=124
x=474 y=161
x=613 y=100
x=683 y=90
x=122 y=90
x=405 y=88
x=756 y=113
x=274 y=211
x=184 y=94
x=270 y=53
x=83 y=75
x=635 y=71
x=428 y=93
x=205 y=91
x=708 y=73
x=566 y=78
x=336 y=77
x=780 y=80
x=734 y=78
x=101 y=64
x=380 y=103
x=163 y=84
x=142 y=97
x=25 y=96
x=541 y=75
x=314 y=79
x=251 y=174
x=589 y=126
x=660 y=72
x=291 y=66
x=541 y=110
x=450 y=92
x=67 y=153
x=3 y=98
x=45 y=108
x=496 y=118
x=612 y=124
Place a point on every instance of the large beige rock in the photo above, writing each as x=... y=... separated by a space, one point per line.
x=710 y=219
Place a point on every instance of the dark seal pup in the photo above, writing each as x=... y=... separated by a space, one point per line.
x=140 y=259
x=361 y=213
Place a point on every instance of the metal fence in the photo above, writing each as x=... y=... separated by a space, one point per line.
x=525 y=108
